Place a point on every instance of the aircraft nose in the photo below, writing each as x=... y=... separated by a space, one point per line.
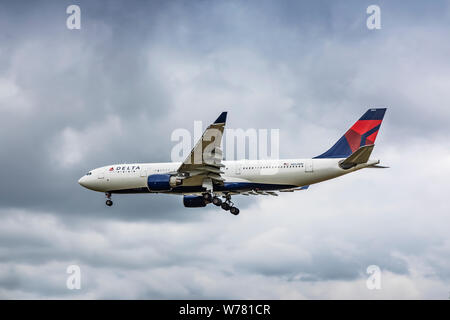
x=83 y=181
x=88 y=182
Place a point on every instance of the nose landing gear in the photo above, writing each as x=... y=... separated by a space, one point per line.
x=109 y=202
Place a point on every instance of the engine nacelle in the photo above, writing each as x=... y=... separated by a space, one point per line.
x=194 y=201
x=162 y=182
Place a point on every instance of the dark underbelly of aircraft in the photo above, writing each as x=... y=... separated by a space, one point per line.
x=227 y=186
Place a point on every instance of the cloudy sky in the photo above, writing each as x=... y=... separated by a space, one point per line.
x=114 y=91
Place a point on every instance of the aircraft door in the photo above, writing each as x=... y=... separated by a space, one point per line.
x=238 y=169
x=101 y=174
x=309 y=165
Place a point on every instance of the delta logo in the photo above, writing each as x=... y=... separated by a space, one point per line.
x=125 y=168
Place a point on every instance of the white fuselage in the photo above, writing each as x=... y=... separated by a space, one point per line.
x=239 y=175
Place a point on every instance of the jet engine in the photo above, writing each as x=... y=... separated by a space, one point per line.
x=194 y=201
x=162 y=182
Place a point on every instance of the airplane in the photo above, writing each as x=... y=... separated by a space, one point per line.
x=205 y=178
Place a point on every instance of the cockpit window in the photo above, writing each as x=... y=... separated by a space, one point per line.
x=89 y=173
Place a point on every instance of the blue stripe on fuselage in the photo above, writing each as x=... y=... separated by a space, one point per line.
x=247 y=186
x=227 y=186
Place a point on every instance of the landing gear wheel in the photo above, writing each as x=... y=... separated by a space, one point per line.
x=234 y=211
x=109 y=202
x=207 y=197
x=216 y=201
x=225 y=206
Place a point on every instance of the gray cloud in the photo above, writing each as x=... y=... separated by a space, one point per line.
x=113 y=92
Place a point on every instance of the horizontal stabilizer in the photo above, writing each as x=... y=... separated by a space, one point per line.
x=376 y=166
x=358 y=157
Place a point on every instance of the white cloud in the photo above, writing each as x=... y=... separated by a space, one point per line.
x=73 y=146
x=311 y=244
x=12 y=98
x=267 y=73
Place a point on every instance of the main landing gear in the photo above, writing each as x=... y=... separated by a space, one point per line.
x=109 y=202
x=226 y=205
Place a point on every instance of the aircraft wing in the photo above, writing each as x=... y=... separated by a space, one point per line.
x=205 y=160
x=295 y=189
x=256 y=192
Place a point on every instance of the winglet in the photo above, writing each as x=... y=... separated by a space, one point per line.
x=222 y=118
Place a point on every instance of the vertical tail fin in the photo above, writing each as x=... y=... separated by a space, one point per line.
x=362 y=133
